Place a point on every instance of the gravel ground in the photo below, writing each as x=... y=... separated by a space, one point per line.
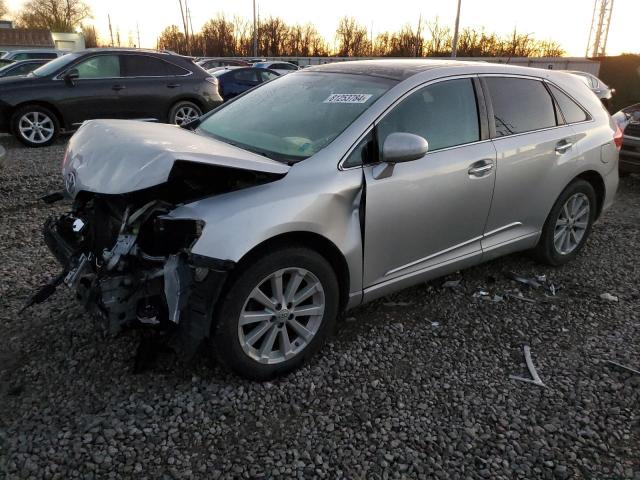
x=412 y=386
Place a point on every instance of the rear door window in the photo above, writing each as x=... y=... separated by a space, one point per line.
x=520 y=105
x=266 y=75
x=571 y=111
x=245 y=76
x=147 y=66
x=444 y=113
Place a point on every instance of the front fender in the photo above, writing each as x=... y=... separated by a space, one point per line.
x=237 y=222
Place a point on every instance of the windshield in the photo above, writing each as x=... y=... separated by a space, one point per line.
x=55 y=65
x=295 y=116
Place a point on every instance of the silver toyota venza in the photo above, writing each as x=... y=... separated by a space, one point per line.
x=257 y=224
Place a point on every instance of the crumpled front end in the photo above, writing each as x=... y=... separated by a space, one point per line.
x=128 y=263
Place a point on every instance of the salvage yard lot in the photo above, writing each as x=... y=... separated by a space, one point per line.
x=412 y=386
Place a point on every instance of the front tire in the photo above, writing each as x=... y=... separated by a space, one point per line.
x=568 y=225
x=35 y=126
x=276 y=313
x=184 y=112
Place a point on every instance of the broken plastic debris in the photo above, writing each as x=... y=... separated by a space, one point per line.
x=397 y=304
x=451 y=284
x=497 y=298
x=435 y=324
x=610 y=298
x=535 y=379
x=480 y=294
x=532 y=282
x=520 y=297
x=624 y=367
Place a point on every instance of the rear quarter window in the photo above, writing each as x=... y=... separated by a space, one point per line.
x=571 y=111
x=520 y=105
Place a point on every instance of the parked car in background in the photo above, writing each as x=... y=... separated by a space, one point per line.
x=49 y=54
x=629 y=120
x=208 y=63
x=597 y=86
x=21 y=67
x=232 y=81
x=255 y=225
x=281 y=68
x=104 y=83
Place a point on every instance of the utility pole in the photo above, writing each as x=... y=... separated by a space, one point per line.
x=255 y=31
x=184 y=24
x=454 y=47
x=138 y=30
x=110 y=29
x=417 y=45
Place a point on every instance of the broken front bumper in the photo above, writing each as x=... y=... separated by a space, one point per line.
x=126 y=287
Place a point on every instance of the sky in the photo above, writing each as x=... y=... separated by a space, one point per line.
x=565 y=21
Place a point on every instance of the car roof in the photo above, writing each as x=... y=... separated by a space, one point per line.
x=402 y=69
x=395 y=69
x=131 y=50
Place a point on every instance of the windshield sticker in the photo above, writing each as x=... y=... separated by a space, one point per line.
x=348 y=98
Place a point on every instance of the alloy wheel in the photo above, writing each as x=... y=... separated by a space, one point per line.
x=37 y=127
x=185 y=114
x=572 y=223
x=281 y=316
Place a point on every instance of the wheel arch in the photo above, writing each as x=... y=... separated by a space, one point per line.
x=185 y=98
x=316 y=242
x=597 y=182
x=40 y=103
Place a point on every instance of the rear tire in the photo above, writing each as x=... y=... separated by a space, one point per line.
x=35 y=126
x=262 y=340
x=568 y=225
x=184 y=112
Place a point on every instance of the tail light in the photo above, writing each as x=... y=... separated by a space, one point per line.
x=64 y=159
x=618 y=137
x=212 y=80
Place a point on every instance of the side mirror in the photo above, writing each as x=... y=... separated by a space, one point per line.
x=403 y=147
x=71 y=76
x=636 y=116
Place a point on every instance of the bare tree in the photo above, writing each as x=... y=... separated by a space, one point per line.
x=3 y=8
x=54 y=15
x=353 y=39
x=90 y=36
x=172 y=39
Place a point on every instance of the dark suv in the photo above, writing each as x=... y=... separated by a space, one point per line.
x=104 y=83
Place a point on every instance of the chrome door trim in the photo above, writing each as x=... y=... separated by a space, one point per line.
x=58 y=76
x=433 y=255
x=501 y=229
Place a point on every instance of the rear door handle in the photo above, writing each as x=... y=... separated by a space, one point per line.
x=173 y=85
x=563 y=147
x=118 y=87
x=481 y=168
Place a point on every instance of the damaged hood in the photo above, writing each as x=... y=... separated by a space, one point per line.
x=122 y=156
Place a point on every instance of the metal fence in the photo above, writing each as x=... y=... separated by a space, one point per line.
x=551 y=63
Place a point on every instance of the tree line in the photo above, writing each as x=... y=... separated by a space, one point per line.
x=234 y=37
x=223 y=36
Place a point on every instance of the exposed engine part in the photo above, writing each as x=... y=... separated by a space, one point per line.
x=82 y=267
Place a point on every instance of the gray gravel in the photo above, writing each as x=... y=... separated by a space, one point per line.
x=413 y=386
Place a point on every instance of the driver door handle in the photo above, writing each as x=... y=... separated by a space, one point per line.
x=173 y=85
x=117 y=88
x=481 y=168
